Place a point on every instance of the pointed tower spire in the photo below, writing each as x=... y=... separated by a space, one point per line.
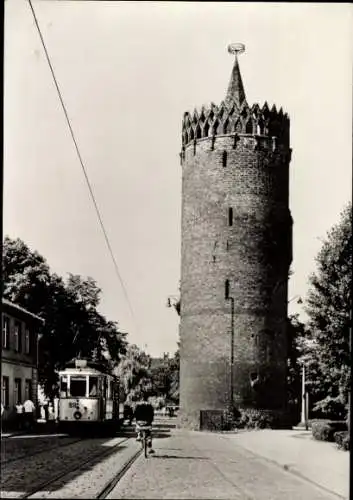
x=235 y=91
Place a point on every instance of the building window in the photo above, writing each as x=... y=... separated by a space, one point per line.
x=5 y=394
x=27 y=341
x=224 y=158
x=28 y=389
x=5 y=332
x=226 y=289
x=17 y=392
x=230 y=216
x=17 y=336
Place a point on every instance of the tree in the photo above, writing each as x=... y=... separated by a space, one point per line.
x=133 y=371
x=174 y=377
x=329 y=308
x=26 y=275
x=165 y=377
x=94 y=334
x=73 y=326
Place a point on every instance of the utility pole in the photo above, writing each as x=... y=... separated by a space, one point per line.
x=350 y=388
x=349 y=394
x=305 y=401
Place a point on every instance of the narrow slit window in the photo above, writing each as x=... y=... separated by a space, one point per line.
x=230 y=216
x=226 y=289
x=224 y=158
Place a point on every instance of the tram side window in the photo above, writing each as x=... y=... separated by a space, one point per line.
x=93 y=387
x=78 y=387
x=63 y=387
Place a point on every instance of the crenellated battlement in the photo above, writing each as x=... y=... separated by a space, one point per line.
x=229 y=119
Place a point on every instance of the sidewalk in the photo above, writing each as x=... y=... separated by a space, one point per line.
x=40 y=426
x=294 y=450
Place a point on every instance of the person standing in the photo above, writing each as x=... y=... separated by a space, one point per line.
x=2 y=412
x=46 y=409
x=29 y=410
x=19 y=415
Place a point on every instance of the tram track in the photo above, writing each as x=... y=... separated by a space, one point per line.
x=108 y=487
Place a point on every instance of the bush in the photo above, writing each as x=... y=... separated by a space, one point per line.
x=256 y=419
x=324 y=430
x=342 y=440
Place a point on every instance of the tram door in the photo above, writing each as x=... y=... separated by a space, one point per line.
x=101 y=395
x=104 y=397
x=115 y=396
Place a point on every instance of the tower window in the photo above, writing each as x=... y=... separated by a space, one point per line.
x=224 y=158
x=230 y=216
x=226 y=289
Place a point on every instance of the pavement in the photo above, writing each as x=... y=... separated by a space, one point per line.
x=295 y=451
x=264 y=464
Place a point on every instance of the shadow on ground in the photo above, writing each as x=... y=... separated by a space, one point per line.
x=179 y=457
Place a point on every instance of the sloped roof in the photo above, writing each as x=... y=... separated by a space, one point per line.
x=22 y=310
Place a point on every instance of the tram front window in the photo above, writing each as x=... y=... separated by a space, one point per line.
x=78 y=387
x=93 y=387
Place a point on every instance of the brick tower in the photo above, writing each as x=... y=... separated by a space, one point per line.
x=235 y=257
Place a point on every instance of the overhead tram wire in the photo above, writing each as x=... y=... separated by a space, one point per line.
x=82 y=165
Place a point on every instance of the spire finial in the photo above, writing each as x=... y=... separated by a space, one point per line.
x=235 y=91
x=236 y=48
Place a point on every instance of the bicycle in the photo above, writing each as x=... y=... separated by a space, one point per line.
x=145 y=433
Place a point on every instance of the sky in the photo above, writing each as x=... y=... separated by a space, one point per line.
x=127 y=72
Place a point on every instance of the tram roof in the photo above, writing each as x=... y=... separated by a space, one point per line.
x=83 y=371
x=87 y=367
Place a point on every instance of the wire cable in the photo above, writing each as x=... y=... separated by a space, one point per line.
x=82 y=164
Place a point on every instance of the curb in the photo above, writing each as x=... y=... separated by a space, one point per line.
x=35 y=429
x=291 y=469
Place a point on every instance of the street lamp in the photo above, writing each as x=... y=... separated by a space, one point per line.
x=174 y=301
x=305 y=393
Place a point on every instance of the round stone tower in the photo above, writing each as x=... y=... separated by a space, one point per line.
x=235 y=258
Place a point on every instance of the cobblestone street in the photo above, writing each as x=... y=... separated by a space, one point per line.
x=185 y=465
x=204 y=465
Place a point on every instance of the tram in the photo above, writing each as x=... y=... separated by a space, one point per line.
x=88 y=398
